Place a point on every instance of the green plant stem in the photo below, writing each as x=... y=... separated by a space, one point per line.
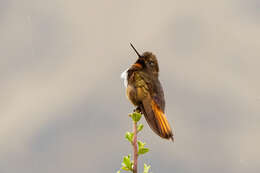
x=134 y=143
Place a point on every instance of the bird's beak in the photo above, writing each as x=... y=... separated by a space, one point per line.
x=139 y=56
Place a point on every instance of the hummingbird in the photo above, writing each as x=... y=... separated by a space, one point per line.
x=145 y=92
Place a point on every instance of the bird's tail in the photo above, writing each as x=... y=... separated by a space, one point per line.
x=156 y=119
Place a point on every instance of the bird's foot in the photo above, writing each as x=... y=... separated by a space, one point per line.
x=138 y=110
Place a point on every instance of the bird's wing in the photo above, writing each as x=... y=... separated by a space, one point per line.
x=156 y=118
x=157 y=93
x=151 y=108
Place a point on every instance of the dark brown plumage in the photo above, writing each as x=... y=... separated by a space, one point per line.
x=144 y=90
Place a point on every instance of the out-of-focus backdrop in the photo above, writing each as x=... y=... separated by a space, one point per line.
x=63 y=106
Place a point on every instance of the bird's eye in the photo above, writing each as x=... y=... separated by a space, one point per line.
x=151 y=63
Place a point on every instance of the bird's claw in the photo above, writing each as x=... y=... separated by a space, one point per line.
x=138 y=110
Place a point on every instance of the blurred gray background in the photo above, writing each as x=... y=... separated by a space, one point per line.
x=63 y=107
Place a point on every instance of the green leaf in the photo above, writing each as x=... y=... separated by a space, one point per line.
x=127 y=164
x=143 y=150
x=127 y=161
x=129 y=136
x=146 y=168
x=140 y=127
x=140 y=144
x=136 y=116
x=125 y=168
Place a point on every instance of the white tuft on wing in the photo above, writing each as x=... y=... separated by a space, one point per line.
x=124 y=76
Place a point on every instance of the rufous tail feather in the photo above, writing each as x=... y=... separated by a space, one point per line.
x=156 y=119
x=162 y=121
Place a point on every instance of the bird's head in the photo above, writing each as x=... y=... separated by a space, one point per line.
x=147 y=62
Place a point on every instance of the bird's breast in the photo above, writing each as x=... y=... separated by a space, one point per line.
x=131 y=94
